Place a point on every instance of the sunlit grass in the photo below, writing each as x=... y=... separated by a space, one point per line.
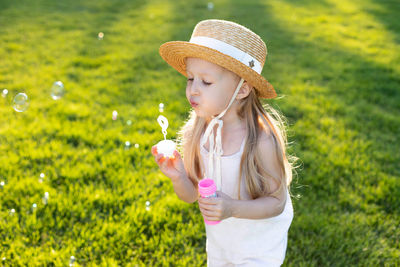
x=334 y=64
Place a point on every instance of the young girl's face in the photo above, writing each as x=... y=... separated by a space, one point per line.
x=209 y=87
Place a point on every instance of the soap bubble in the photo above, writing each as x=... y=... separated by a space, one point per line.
x=161 y=107
x=45 y=199
x=129 y=122
x=147 y=205
x=34 y=206
x=114 y=115
x=210 y=6
x=100 y=36
x=57 y=90
x=71 y=261
x=4 y=93
x=41 y=177
x=136 y=145
x=21 y=102
x=127 y=145
x=2 y=184
x=12 y=212
x=166 y=147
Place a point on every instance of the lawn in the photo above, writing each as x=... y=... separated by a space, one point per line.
x=74 y=192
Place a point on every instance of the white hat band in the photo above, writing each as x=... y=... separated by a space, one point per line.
x=229 y=50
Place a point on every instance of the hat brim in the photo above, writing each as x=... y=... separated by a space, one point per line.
x=175 y=52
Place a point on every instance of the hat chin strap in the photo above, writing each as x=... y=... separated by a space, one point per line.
x=217 y=148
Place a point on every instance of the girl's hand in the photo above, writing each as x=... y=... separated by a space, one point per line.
x=216 y=208
x=172 y=167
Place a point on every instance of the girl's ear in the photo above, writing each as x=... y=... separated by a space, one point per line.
x=244 y=91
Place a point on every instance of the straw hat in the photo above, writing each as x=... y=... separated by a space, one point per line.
x=226 y=44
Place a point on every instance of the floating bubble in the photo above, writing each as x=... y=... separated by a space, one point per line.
x=45 y=199
x=41 y=177
x=129 y=122
x=210 y=6
x=71 y=261
x=4 y=93
x=161 y=107
x=100 y=36
x=127 y=145
x=34 y=206
x=21 y=102
x=136 y=145
x=12 y=212
x=57 y=90
x=2 y=184
x=4 y=258
x=114 y=115
x=147 y=205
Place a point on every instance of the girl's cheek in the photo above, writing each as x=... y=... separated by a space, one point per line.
x=187 y=92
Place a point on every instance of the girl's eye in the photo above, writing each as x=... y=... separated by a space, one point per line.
x=204 y=82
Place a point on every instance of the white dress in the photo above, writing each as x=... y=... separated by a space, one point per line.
x=245 y=242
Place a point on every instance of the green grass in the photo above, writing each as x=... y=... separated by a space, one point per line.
x=335 y=64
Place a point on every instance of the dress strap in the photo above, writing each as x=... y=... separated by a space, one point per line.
x=202 y=148
x=243 y=143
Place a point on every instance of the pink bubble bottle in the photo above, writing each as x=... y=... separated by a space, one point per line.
x=207 y=188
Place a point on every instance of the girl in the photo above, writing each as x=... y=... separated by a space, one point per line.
x=232 y=139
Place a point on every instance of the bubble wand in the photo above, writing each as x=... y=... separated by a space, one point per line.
x=166 y=147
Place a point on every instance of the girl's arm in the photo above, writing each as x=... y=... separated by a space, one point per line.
x=260 y=208
x=185 y=189
x=223 y=206
x=174 y=169
x=268 y=206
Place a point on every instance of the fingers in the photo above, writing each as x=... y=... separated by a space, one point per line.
x=210 y=207
x=176 y=154
x=159 y=158
x=209 y=213
x=208 y=201
x=154 y=150
x=164 y=162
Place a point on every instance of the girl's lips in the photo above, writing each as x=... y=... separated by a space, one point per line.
x=193 y=104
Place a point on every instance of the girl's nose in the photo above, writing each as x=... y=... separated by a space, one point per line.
x=193 y=88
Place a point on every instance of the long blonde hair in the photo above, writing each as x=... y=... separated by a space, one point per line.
x=258 y=118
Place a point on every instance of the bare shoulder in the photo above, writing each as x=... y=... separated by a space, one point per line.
x=266 y=144
x=269 y=158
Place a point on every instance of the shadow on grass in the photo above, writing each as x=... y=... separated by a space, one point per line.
x=388 y=15
x=356 y=171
